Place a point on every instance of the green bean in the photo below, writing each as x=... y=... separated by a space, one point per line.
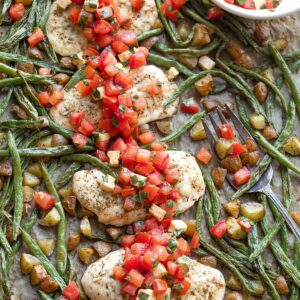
x=5 y=102
x=279 y=254
x=165 y=62
x=50 y=51
x=219 y=88
x=40 y=63
x=266 y=145
x=292 y=55
x=188 y=51
x=147 y=34
x=295 y=290
x=86 y=158
x=25 y=103
x=287 y=75
x=44 y=296
x=32 y=17
x=5 y=7
x=253 y=242
x=183 y=128
x=34 y=248
x=17 y=81
x=4 y=242
x=193 y=15
x=17 y=180
x=61 y=245
x=68 y=174
x=235 y=31
x=265 y=162
x=3 y=274
x=43 y=14
x=79 y=74
x=20 y=124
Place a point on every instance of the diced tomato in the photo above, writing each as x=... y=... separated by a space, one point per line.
x=103 y=40
x=226 y=131
x=74 y=14
x=128 y=191
x=183 y=246
x=139 y=104
x=130 y=289
x=130 y=154
x=44 y=200
x=137 y=60
x=215 y=13
x=157 y=146
x=161 y=160
x=181 y=272
x=79 y=2
x=44 y=71
x=203 y=155
x=56 y=97
x=250 y=4
x=105 y=124
x=245 y=224
x=102 y=156
x=151 y=223
x=161 y=252
x=86 y=127
x=172 y=268
x=171 y=175
x=127 y=240
x=44 y=98
x=124 y=80
x=143 y=156
x=269 y=4
x=16 y=11
x=144 y=169
x=119 y=145
x=147 y=137
x=102 y=145
x=241 y=176
x=154 y=88
x=149 y=278
x=36 y=37
x=151 y=191
x=127 y=37
x=132 y=262
x=219 y=229
x=195 y=241
x=83 y=87
x=158 y=239
x=181 y=287
x=76 y=118
x=106 y=58
x=150 y=259
x=136 y=278
x=155 y=179
x=236 y=149
x=119 y=47
x=89 y=72
x=102 y=27
x=88 y=33
x=143 y=237
x=177 y=4
x=119 y=273
x=128 y=204
x=168 y=10
x=189 y=106
x=137 y=4
x=71 y=291
x=139 y=248
x=111 y=89
x=160 y=286
x=102 y=12
x=79 y=140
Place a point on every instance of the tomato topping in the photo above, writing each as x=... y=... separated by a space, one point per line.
x=236 y=149
x=76 y=118
x=71 y=291
x=79 y=140
x=74 y=15
x=137 y=4
x=88 y=33
x=36 y=37
x=83 y=87
x=168 y=10
x=189 y=106
x=103 y=40
x=119 y=145
x=127 y=240
x=136 y=278
x=102 y=156
x=219 y=229
x=137 y=60
x=215 y=13
x=127 y=37
x=112 y=89
x=154 y=88
x=195 y=241
x=86 y=127
x=241 y=176
x=155 y=179
x=226 y=131
x=124 y=80
x=177 y=4
x=44 y=200
x=130 y=289
x=245 y=224
x=102 y=27
x=203 y=155
x=147 y=137
x=181 y=287
x=56 y=97
x=139 y=104
x=44 y=98
x=119 y=47
x=119 y=273
x=143 y=156
x=160 y=286
x=129 y=204
x=150 y=259
x=16 y=11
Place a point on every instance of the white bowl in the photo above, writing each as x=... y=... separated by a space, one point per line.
x=287 y=7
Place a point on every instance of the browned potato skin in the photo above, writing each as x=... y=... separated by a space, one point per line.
x=26 y=67
x=233 y=283
x=210 y=105
x=244 y=158
x=232 y=164
x=296 y=216
x=281 y=286
x=191 y=227
x=218 y=176
x=253 y=158
x=205 y=85
x=114 y=232
x=233 y=296
x=61 y=78
x=251 y=145
x=269 y=133
x=48 y=285
x=245 y=61
x=209 y=260
x=261 y=91
x=35 y=53
x=38 y=274
x=190 y=62
x=9 y=233
x=235 y=51
x=86 y=255
x=201 y=35
x=54 y=87
x=6 y=168
x=262 y=31
x=233 y=207
x=83 y=212
x=66 y=62
x=73 y=241
x=58 y=140
x=69 y=204
x=102 y=248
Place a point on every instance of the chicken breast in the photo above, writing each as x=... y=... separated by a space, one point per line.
x=109 y=208
x=98 y=282
x=65 y=38
x=74 y=102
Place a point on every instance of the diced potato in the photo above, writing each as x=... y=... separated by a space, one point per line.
x=157 y=212
x=292 y=146
x=201 y=36
x=262 y=31
x=78 y=60
x=296 y=216
x=177 y=225
x=83 y=212
x=218 y=176
x=184 y=28
x=191 y=227
x=280 y=44
x=232 y=164
x=27 y=262
x=233 y=296
x=124 y=56
x=204 y=85
x=38 y=274
x=146 y=294
x=197 y=132
x=36 y=170
x=58 y=140
x=222 y=146
x=86 y=255
x=137 y=180
x=69 y=204
x=63 y=4
x=164 y=126
x=48 y=285
x=206 y=63
x=281 y=286
x=47 y=246
x=234 y=230
x=233 y=207
x=253 y=158
x=101 y=137
x=257 y=121
x=245 y=61
x=258 y=287
x=245 y=158
x=254 y=211
x=159 y=271
x=269 y=133
x=188 y=61
x=102 y=248
x=107 y=183
x=66 y=191
x=28 y=193
x=6 y=168
x=210 y=105
x=73 y=241
x=209 y=260
x=52 y=218
x=268 y=74
x=235 y=51
x=30 y=180
x=9 y=233
x=45 y=142
x=233 y=283
x=114 y=232
x=172 y=73
x=261 y=91
x=251 y=145
x=85 y=227
x=113 y=157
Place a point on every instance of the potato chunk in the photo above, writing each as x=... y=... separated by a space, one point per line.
x=205 y=85
x=27 y=262
x=261 y=91
x=292 y=146
x=254 y=211
x=218 y=176
x=233 y=207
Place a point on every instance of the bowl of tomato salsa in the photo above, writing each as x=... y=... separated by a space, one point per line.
x=259 y=9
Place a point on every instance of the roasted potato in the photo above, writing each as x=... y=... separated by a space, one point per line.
x=150 y=42
x=261 y=91
x=30 y=180
x=47 y=246
x=233 y=296
x=268 y=74
x=251 y=145
x=253 y=158
x=292 y=146
x=58 y=140
x=204 y=85
x=114 y=232
x=191 y=227
x=38 y=274
x=69 y=204
x=36 y=170
x=66 y=62
x=34 y=52
x=45 y=142
x=184 y=28
x=281 y=286
x=280 y=44
x=259 y=289
x=233 y=283
x=296 y=216
x=197 y=132
x=233 y=207
x=269 y=133
x=9 y=233
x=28 y=194
x=245 y=61
x=254 y=211
x=234 y=230
x=188 y=61
x=52 y=218
x=244 y=158
x=218 y=176
x=6 y=168
x=86 y=255
x=102 y=248
x=61 y=78
x=48 y=285
x=209 y=260
x=27 y=262
x=66 y=191
x=164 y=126
x=232 y=164
x=83 y=212
x=257 y=121
x=85 y=227
x=235 y=51
x=262 y=31
x=222 y=146
x=73 y=241
x=210 y=105
x=201 y=36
